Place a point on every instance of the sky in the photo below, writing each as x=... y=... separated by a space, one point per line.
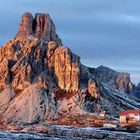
x=101 y=32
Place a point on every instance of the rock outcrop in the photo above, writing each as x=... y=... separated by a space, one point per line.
x=41 y=27
x=25 y=27
x=66 y=66
x=41 y=80
x=117 y=80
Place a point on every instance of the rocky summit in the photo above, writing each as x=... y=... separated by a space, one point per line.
x=41 y=80
x=41 y=26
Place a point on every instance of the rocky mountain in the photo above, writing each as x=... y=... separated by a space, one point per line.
x=117 y=80
x=41 y=80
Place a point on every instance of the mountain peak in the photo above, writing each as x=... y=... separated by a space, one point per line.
x=41 y=26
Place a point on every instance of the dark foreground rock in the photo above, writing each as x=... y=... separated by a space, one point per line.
x=67 y=132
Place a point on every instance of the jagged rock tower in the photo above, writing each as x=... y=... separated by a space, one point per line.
x=41 y=27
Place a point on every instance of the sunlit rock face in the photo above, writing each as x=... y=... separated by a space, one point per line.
x=26 y=58
x=65 y=64
x=41 y=80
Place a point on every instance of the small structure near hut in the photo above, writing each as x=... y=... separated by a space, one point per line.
x=129 y=116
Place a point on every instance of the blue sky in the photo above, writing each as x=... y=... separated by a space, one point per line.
x=101 y=32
